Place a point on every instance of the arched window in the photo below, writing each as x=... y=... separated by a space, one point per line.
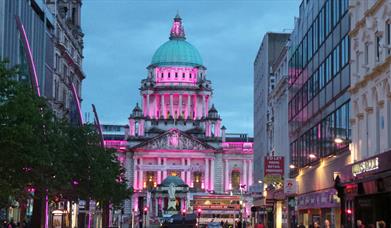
x=235 y=179
x=150 y=181
x=136 y=128
x=197 y=180
x=169 y=75
x=183 y=75
x=212 y=129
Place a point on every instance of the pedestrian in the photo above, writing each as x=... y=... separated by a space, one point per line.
x=316 y=225
x=359 y=224
x=301 y=225
x=327 y=223
x=381 y=224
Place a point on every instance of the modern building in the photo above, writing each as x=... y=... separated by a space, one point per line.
x=264 y=83
x=368 y=179
x=52 y=31
x=176 y=137
x=278 y=135
x=39 y=27
x=319 y=101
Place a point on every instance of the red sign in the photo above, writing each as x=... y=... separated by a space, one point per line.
x=274 y=165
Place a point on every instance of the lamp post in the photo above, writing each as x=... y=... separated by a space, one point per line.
x=243 y=186
x=198 y=216
x=145 y=216
x=183 y=215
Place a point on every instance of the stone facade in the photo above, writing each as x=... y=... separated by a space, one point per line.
x=370 y=80
x=177 y=131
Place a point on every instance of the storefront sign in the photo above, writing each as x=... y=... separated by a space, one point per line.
x=274 y=165
x=365 y=166
x=322 y=199
x=290 y=186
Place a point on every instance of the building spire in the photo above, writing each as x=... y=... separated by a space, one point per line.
x=177 y=30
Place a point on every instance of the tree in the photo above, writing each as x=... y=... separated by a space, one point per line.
x=49 y=155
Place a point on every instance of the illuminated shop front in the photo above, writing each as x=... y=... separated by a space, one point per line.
x=368 y=190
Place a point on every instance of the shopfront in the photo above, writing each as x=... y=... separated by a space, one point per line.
x=368 y=190
x=319 y=206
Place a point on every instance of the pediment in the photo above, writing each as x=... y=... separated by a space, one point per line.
x=174 y=139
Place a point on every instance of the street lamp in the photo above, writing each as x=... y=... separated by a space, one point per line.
x=339 y=140
x=145 y=216
x=198 y=216
x=292 y=166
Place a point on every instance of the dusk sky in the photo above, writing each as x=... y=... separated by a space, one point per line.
x=121 y=37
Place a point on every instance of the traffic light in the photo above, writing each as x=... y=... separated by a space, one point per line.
x=199 y=212
x=183 y=212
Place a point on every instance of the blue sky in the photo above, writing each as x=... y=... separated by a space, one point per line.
x=122 y=35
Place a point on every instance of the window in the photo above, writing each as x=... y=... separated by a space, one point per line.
x=336 y=12
x=388 y=37
x=328 y=17
x=321 y=26
x=305 y=57
x=161 y=75
x=169 y=74
x=310 y=43
x=328 y=72
x=183 y=75
x=190 y=75
x=366 y=52
x=316 y=34
x=322 y=78
x=235 y=180
x=176 y=75
x=197 y=180
x=345 y=51
x=378 y=40
x=336 y=62
x=344 y=6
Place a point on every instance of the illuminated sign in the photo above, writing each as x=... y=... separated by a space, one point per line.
x=365 y=166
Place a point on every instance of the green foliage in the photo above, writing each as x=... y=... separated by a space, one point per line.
x=39 y=150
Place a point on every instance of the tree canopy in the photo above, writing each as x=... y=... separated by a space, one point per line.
x=42 y=152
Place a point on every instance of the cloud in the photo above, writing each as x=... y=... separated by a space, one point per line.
x=122 y=35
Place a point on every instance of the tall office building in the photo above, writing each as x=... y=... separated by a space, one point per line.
x=53 y=34
x=319 y=107
x=269 y=51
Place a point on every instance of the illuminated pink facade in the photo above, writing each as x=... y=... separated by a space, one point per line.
x=177 y=131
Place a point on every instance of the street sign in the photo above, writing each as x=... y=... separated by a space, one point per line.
x=274 y=165
x=290 y=186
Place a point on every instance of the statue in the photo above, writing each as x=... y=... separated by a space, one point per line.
x=171 y=197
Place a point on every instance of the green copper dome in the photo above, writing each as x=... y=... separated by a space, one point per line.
x=177 y=52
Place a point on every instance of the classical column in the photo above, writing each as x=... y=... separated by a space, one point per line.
x=188 y=112
x=226 y=175
x=141 y=180
x=195 y=106
x=164 y=167
x=244 y=173
x=162 y=109
x=159 y=172
x=206 y=178
x=147 y=106
x=135 y=173
x=250 y=173
x=180 y=104
x=183 y=171
x=204 y=111
x=171 y=105
x=188 y=172
x=212 y=174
